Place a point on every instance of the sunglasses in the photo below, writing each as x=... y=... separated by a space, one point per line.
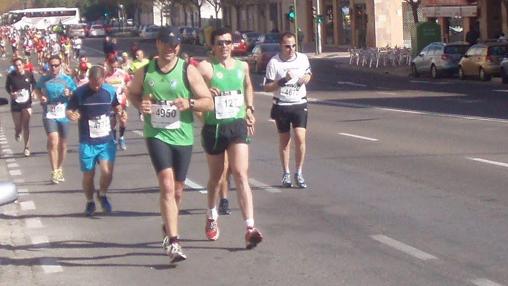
x=223 y=42
x=289 y=46
x=54 y=66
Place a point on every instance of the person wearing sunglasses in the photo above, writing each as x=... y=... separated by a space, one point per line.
x=227 y=129
x=287 y=74
x=167 y=91
x=19 y=84
x=53 y=91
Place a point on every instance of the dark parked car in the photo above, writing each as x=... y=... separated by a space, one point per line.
x=190 y=35
x=269 y=38
x=252 y=39
x=261 y=55
x=438 y=59
x=483 y=60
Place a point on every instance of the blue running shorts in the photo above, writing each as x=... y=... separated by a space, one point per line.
x=91 y=154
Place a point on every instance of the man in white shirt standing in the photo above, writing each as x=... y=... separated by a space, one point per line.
x=287 y=73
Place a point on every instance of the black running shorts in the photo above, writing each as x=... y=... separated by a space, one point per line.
x=166 y=156
x=287 y=115
x=215 y=139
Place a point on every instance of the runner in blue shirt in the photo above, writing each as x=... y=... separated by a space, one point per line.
x=92 y=105
x=53 y=91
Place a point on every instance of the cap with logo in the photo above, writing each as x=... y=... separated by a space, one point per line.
x=169 y=35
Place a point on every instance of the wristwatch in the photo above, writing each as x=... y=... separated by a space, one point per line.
x=252 y=109
x=191 y=103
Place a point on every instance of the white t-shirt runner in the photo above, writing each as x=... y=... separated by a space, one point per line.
x=291 y=93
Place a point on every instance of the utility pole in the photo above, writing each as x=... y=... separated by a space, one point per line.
x=296 y=25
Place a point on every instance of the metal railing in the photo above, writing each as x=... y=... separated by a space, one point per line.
x=376 y=57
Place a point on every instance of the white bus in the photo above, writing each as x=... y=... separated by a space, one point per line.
x=42 y=18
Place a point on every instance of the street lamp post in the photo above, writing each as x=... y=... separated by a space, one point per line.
x=121 y=17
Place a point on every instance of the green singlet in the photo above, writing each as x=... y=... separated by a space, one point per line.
x=227 y=80
x=168 y=87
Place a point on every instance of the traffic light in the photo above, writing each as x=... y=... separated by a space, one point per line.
x=320 y=19
x=291 y=14
x=314 y=11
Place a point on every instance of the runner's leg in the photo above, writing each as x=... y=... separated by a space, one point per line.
x=25 y=124
x=238 y=154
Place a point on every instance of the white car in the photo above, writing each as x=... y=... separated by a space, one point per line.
x=97 y=30
x=149 y=32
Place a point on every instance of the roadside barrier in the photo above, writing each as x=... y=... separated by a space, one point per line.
x=376 y=57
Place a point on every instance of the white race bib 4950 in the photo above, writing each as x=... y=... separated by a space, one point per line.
x=56 y=111
x=165 y=116
x=22 y=96
x=99 y=126
x=228 y=104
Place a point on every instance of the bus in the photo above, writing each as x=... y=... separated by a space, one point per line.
x=42 y=18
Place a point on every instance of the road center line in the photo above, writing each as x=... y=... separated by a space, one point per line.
x=28 y=205
x=264 y=187
x=196 y=186
x=500 y=164
x=16 y=172
x=33 y=222
x=359 y=137
x=10 y=160
x=351 y=83
x=50 y=265
x=12 y=165
x=485 y=282
x=138 y=132
x=403 y=247
x=401 y=110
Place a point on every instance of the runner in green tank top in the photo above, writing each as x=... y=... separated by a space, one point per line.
x=227 y=129
x=166 y=95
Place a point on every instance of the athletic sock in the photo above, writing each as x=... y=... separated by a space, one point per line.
x=249 y=223
x=212 y=213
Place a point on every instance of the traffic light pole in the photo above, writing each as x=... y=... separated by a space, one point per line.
x=318 y=28
x=296 y=25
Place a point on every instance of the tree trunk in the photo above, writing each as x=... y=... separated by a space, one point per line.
x=199 y=17
x=237 y=8
x=414 y=8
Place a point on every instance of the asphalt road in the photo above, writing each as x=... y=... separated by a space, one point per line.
x=407 y=186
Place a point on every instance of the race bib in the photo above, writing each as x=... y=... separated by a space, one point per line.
x=56 y=111
x=165 y=116
x=228 y=104
x=289 y=93
x=99 y=126
x=22 y=96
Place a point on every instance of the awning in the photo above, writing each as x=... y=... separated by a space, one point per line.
x=451 y=11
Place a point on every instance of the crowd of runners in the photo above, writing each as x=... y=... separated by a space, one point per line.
x=169 y=92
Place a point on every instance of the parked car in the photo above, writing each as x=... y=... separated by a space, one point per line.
x=97 y=30
x=504 y=70
x=438 y=59
x=269 y=38
x=252 y=39
x=261 y=55
x=77 y=30
x=483 y=60
x=149 y=32
x=239 y=45
x=190 y=35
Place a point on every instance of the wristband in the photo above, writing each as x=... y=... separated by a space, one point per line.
x=282 y=82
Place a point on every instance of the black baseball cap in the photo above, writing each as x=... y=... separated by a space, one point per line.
x=169 y=35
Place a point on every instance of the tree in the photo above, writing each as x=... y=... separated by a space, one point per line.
x=414 y=7
x=237 y=4
x=198 y=4
x=216 y=4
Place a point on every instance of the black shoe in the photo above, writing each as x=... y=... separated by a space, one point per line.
x=90 y=208
x=224 y=207
x=105 y=204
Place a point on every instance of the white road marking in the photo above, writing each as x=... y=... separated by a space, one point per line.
x=50 y=265
x=500 y=90
x=359 y=137
x=138 y=132
x=4 y=142
x=351 y=83
x=10 y=160
x=265 y=187
x=485 y=282
x=403 y=247
x=196 y=186
x=40 y=240
x=7 y=150
x=429 y=82
x=33 y=222
x=16 y=172
x=264 y=93
x=386 y=93
x=500 y=164
x=271 y=120
x=401 y=110
x=28 y=205
x=19 y=181
x=12 y=165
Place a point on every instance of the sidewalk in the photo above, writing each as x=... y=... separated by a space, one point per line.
x=341 y=58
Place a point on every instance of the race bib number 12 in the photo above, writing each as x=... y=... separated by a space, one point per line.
x=228 y=104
